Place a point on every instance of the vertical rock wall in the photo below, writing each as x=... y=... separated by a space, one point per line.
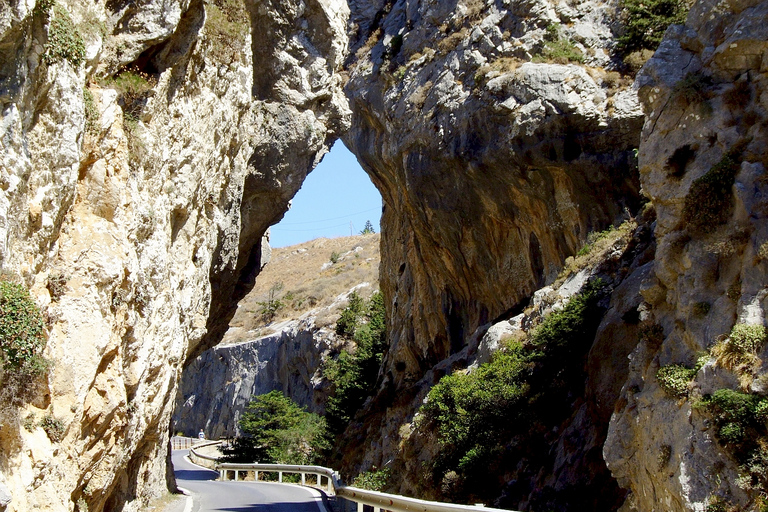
x=494 y=164
x=705 y=93
x=149 y=208
x=494 y=160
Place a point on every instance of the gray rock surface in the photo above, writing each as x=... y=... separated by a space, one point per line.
x=219 y=384
x=494 y=164
x=704 y=93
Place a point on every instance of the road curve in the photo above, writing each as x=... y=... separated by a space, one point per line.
x=211 y=496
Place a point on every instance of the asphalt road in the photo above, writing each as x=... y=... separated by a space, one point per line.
x=210 y=496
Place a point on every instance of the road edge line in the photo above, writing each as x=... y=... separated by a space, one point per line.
x=319 y=497
x=187 y=494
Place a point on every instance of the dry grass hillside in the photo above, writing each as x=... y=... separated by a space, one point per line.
x=304 y=277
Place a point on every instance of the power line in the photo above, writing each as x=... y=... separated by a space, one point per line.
x=277 y=228
x=325 y=220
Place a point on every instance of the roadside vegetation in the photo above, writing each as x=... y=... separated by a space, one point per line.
x=500 y=413
x=277 y=430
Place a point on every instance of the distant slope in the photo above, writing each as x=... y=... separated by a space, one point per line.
x=304 y=278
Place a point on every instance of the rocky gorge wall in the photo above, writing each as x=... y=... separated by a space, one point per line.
x=219 y=384
x=702 y=162
x=144 y=156
x=135 y=213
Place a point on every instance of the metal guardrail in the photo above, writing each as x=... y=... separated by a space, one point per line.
x=380 y=501
x=200 y=458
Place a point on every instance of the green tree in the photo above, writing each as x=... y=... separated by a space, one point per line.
x=277 y=430
x=353 y=374
x=368 y=229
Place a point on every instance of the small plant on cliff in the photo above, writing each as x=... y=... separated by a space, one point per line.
x=277 y=430
x=21 y=328
x=64 y=39
x=558 y=49
x=709 y=201
x=738 y=352
x=674 y=379
x=53 y=427
x=91 y=112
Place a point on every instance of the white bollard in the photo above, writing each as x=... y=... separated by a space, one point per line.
x=303 y=478
x=280 y=476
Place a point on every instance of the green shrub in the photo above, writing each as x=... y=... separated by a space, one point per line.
x=645 y=21
x=350 y=315
x=91 y=112
x=709 y=201
x=353 y=375
x=374 y=480
x=53 y=427
x=21 y=327
x=747 y=337
x=674 y=379
x=558 y=49
x=269 y=308
x=64 y=39
x=525 y=390
x=335 y=257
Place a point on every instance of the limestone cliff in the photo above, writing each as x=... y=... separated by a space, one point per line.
x=515 y=156
x=145 y=151
x=702 y=162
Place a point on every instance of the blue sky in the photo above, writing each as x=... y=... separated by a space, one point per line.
x=338 y=192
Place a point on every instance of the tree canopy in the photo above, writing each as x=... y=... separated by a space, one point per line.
x=277 y=430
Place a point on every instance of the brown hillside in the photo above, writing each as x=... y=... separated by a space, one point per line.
x=303 y=277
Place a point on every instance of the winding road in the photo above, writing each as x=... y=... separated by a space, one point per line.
x=211 y=496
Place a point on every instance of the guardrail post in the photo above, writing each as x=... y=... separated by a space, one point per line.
x=280 y=476
x=319 y=479
x=359 y=507
x=256 y=475
x=330 y=485
x=303 y=478
x=237 y=474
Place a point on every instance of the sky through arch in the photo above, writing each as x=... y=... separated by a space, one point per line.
x=336 y=199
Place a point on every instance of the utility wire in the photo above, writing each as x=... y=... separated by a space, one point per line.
x=325 y=220
x=277 y=228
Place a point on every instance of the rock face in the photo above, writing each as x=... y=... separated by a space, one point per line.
x=219 y=384
x=148 y=201
x=515 y=156
x=511 y=161
x=704 y=93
